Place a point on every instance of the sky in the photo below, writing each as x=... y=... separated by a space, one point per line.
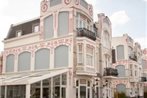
x=127 y=16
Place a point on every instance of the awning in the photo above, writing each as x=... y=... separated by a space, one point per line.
x=29 y=78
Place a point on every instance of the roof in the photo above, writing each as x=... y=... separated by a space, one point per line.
x=29 y=78
x=24 y=27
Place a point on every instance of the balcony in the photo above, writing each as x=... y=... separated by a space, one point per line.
x=83 y=32
x=133 y=57
x=143 y=79
x=110 y=72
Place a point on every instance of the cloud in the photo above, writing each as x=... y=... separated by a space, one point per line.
x=119 y=18
x=3 y=4
x=145 y=0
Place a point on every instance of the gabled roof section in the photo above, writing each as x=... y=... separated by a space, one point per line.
x=25 y=27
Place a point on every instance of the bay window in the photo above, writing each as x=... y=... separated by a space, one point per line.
x=89 y=56
x=80 y=54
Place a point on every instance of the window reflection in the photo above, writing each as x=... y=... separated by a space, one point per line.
x=16 y=91
x=35 y=90
x=47 y=88
x=2 y=93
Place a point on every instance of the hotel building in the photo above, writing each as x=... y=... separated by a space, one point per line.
x=61 y=54
x=127 y=59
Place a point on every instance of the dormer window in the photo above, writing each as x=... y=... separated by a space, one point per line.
x=18 y=33
x=35 y=28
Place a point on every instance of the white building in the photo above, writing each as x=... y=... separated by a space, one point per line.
x=61 y=54
x=127 y=59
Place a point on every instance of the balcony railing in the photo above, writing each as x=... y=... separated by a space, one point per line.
x=83 y=32
x=133 y=57
x=110 y=72
x=143 y=79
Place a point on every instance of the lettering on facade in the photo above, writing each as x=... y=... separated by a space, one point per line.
x=34 y=47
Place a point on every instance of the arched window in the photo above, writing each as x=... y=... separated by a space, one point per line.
x=61 y=56
x=121 y=88
x=120 y=52
x=63 y=23
x=121 y=70
x=42 y=59
x=10 y=63
x=24 y=61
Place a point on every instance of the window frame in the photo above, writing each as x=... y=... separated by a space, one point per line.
x=18 y=33
x=89 y=56
x=33 y=28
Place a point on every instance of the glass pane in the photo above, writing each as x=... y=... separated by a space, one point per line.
x=2 y=93
x=56 y=80
x=88 y=94
x=10 y=63
x=64 y=79
x=97 y=92
x=46 y=88
x=63 y=92
x=77 y=83
x=16 y=91
x=56 y=92
x=76 y=92
x=35 y=90
x=61 y=56
x=42 y=59
x=82 y=91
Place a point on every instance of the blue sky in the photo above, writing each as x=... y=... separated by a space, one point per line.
x=127 y=16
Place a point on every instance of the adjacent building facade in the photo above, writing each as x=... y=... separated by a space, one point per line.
x=144 y=64
x=61 y=54
x=127 y=59
x=1 y=62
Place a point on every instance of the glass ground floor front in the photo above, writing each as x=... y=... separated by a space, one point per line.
x=54 y=87
x=59 y=86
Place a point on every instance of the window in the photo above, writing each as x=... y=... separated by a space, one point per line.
x=130 y=50
x=131 y=70
x=35 y=90
x=121 y=88
x=136 y=70
x=48 y=27
x=63 y=23
x=10 y=63
x=2 y=92
x=121 y=70
x=55 y=2
x=83 y=88
x=84 y=4
x=61 y=56
x=89 y=56
x=107 y=60
x=120 y=52
x=18 y=33
x=24 y=61
x=80 y=54
x=42 y=59
x=106 y=39
x=16 y=91
x=36 y=28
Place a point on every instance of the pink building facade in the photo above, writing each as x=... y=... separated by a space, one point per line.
x=61 y=54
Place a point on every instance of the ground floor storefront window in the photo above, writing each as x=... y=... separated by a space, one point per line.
x=83 y=89
x=54 y=87
x=13 y=91
x=51 y=87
